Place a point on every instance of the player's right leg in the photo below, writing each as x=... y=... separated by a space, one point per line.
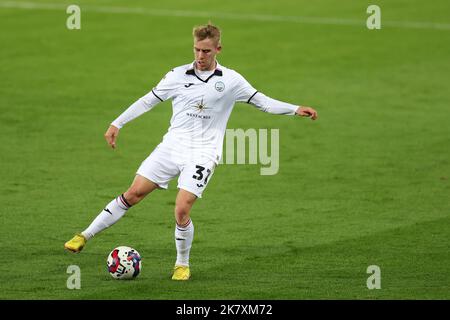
x=113 y=211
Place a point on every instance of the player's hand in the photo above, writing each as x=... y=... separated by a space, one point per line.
x=111 y=136
x=307 y=112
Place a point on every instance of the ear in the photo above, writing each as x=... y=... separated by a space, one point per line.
x=219 y=48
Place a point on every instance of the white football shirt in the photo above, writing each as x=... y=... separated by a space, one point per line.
x=202 y=103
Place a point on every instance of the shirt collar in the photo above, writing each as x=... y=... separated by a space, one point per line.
x=217 y=71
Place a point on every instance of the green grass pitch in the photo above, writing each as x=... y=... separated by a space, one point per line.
x=366 y=184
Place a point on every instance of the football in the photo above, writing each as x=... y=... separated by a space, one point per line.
x=124 y=263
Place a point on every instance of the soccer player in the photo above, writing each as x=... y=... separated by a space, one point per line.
x=203 y=94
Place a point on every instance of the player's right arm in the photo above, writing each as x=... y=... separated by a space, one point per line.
x=111 y=136
x=163 y=91
x=138 y=108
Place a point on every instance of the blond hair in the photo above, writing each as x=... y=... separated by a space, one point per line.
x=208 y=31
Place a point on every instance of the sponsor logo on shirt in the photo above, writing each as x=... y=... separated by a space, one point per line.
x=195 y=115
x=200 y=107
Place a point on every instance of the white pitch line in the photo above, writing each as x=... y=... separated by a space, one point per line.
x=229 y=16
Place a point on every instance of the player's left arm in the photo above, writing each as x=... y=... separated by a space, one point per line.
x=309 y=112
x=245 y=92
x=270 y=105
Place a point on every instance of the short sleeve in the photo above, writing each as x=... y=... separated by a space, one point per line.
x=166 y=88
x=244 y=91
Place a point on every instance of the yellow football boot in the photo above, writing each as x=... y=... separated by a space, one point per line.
x=76 y=244
x=181 y=273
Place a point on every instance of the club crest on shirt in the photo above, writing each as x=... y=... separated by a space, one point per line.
x=220 y=86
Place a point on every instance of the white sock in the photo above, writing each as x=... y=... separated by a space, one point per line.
x=110 y=215
x=183 y=241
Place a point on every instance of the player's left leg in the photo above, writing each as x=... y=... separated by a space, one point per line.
x=192 y=182
x=184 y=233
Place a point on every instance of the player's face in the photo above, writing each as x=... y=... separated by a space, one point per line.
x=205 y=53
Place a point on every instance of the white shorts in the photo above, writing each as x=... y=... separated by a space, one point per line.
x=164 y=164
